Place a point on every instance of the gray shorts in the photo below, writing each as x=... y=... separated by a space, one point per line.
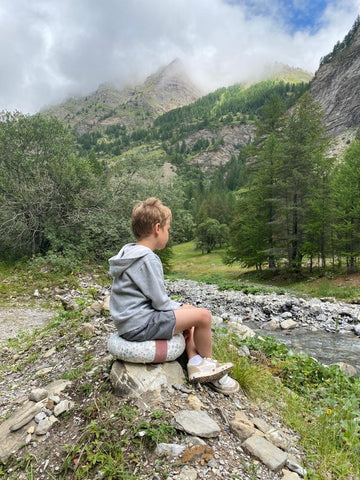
x=161 y=326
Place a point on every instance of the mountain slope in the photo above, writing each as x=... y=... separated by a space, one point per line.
x=136 y=106
x=336 y=85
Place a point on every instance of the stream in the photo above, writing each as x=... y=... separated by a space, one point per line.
x=326 y=347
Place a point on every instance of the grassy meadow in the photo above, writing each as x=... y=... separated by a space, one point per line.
x=189 y=263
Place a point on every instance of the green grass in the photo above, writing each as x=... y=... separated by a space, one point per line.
x=320 y=403
x=189 y=263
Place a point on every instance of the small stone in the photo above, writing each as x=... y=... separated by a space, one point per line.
x=187 y=473
x=62 y=407
x=56 y=387
x=196 y=423
x=55 y=399
x=278 y=439
x=94 y=310
x=43 y=427
x=49 y=352
x=43 y=371
x=38 y=394
x=288 y=324
x=194 y=402
x=242 y=428
x=357 y=330
x=87 y=329
x=24 y=415
x=294 y=465
x=106 y=304
x=290 y=475
x=262 y=425
x=31 y=429
x=271 y=456
x=40 y=416
x=171 y=449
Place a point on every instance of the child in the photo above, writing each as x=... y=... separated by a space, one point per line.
x=142 y=310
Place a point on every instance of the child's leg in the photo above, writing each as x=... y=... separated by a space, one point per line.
x=196 y=325
x=200 y=338
x=190 y=344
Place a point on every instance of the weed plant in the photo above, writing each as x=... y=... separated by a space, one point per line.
x=114 y=442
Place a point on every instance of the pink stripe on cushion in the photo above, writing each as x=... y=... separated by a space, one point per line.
x=160 y=351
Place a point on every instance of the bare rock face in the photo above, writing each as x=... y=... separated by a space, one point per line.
x=169 y=88
x=336 y=87
x=232 y=136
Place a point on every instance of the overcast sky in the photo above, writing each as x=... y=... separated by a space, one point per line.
x=51 y=49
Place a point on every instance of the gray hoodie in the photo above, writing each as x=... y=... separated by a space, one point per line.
x=138 y=287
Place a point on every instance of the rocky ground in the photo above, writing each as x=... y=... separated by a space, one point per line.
x=67 y=364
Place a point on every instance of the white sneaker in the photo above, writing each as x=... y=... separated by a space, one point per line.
x=225 y=385
x=208 y=370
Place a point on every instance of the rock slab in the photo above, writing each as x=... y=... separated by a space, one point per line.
x=271 y=456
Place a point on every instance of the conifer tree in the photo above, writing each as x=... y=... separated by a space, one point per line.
x=346 y=189
x=254 y=236
x=304 y=147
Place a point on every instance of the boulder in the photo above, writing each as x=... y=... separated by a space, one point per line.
x=133 y=379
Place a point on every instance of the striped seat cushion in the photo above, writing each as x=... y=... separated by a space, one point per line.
x=151 y=351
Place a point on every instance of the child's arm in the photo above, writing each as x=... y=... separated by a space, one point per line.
x=151 y=283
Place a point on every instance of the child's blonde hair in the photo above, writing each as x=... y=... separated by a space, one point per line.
x=146 y=214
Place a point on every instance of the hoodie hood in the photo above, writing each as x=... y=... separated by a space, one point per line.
x=128 y=255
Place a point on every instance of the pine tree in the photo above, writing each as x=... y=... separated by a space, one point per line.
x=305 y=144
x=346 y=188
x=254 y=236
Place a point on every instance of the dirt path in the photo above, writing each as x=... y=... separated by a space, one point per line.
x=13 y=320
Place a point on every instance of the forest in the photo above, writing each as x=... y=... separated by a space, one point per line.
x=281 y=202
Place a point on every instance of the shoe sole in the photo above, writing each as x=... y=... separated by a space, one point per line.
x=211 y=377
x=224 y=392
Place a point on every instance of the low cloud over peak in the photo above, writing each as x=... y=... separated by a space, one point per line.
x=51 y=50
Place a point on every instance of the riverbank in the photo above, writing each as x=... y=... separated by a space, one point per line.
x=292 y=319
x=72 y=348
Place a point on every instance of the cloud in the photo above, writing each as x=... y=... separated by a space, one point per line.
x=51 y=50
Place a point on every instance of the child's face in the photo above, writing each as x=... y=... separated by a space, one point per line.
x=163 y=236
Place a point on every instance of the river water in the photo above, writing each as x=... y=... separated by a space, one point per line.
x=326 y=347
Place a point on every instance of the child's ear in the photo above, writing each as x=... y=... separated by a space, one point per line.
x=156 y=227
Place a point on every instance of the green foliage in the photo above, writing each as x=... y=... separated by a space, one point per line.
x=253 y=379
x=210 y=233
x=105 y=443
x=166 y=257
x=283 y=213
x=346 y=187
x=216 y=205
x=323 y=407
x=341 y=46
x=235 y=103
x=149 y=434
x=48 y=196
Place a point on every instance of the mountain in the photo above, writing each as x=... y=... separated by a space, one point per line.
x=136 y=106
x=281 y=72
x=336 y=84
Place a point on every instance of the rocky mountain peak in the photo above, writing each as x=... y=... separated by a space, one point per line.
x=168 y=88
x=336 y=84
